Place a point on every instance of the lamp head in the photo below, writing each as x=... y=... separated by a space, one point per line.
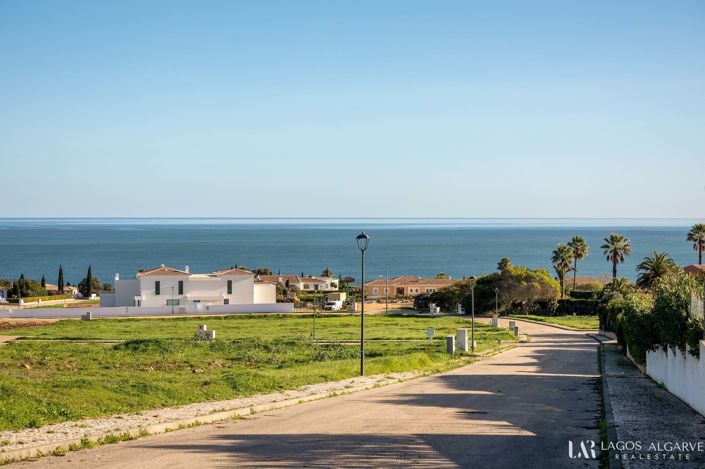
x=362 y=241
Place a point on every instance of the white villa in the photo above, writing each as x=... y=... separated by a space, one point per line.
x=166 y=286
x=306 y=283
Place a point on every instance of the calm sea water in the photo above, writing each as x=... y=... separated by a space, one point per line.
x=458 y=247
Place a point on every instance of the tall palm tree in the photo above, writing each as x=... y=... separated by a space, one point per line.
x=654 y=267
x=616 y=249
x=697 y=236
x=579 y=248
x=562 y=261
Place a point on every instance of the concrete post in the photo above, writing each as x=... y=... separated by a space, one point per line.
x=461 y=339
x=495 y=320
x=450 y=344
x=516 y=331
x=512 y=325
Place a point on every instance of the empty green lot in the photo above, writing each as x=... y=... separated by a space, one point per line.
x=159 y=363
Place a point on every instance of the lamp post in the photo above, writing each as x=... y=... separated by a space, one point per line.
x=496 y=300
x=172 y=299
x=386 y=294
x=472 y=321
x=362 y=242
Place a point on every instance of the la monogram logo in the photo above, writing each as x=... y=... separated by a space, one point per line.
x=585 y=450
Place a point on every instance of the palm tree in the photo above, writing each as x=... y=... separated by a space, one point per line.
x=616 y=249
x=697 y=236
x=654 y=267
x=562 y=260
x=579 y=248
x=620 y=285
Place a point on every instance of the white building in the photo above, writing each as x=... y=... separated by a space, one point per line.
x=166 y=286
x=306 y=283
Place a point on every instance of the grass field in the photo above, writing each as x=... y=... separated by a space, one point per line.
x=159 y=363
x=577 y=322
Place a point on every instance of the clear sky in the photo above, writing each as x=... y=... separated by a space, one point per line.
x=332 y=108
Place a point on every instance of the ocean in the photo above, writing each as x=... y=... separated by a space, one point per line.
x=424 y=247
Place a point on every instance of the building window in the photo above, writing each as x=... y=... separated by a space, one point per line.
x=181 y=287
x=226 y=301
x=430 y=290
x=375 y=291
x=157 y=287
x=230 y=287
x=174 y=302
x=386 y=290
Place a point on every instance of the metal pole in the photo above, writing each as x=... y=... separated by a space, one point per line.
x=386 y=296
x=472 y=335
x=172 y=299
x=314 y=322
x=362 y=316
x=496 y=300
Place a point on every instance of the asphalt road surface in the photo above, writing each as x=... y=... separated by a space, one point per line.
x=518 y=409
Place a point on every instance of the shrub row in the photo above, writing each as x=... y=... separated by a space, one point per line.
x=32 y=299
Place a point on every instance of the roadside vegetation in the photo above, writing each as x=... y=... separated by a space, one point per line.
x=160 y=363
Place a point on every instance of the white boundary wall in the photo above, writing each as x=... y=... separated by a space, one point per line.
x=682 y=374
x=134 y=311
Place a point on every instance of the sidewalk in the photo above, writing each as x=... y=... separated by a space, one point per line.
x=644 y=413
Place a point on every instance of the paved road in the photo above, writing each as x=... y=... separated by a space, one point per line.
x=517 y=409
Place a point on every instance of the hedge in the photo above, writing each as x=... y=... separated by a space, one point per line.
x=32 y=299
x=579 y=307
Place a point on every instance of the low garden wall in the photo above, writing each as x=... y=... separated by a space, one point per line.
x=134 y=311
x=682 y=374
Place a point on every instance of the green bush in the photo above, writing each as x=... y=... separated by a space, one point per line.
x=646 y=320
x=580 y=307
x=31 y=299
x=584 y=295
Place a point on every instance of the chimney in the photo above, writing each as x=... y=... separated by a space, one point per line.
x=187 y=269
x=162 y=266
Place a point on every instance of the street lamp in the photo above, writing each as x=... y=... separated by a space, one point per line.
x=496 y=300
x=472 y=322
x=362 y=241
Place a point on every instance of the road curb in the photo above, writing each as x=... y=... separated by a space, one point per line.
x=613 y=462
x=557 y=326
x=9 y=456
x=16 y=455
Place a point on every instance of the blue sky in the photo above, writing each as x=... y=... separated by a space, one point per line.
x=368 y=109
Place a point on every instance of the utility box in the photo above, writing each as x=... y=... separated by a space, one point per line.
x=450 y=344
x=461 y=339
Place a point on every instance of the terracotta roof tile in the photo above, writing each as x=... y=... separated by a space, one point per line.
x=163 y=270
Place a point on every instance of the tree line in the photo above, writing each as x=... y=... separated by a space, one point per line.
x=24 y=287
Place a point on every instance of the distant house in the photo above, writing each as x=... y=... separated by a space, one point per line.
x=405 y=285
x=54 y=290
x=306 y=283
x=695 y=269
x=166 y=286
x=4 y=292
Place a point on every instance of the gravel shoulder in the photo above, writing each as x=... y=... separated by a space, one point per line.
x=58 y=434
